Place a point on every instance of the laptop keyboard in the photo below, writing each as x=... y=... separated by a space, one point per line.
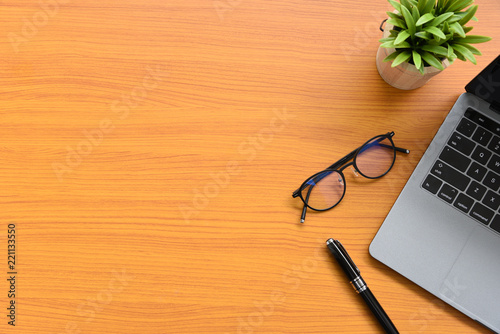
x=466 y=174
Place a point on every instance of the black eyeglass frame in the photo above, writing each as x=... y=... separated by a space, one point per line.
x=339 y=166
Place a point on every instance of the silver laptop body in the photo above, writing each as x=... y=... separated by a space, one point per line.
x=439 y=233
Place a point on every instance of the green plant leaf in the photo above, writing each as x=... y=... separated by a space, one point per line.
x=460 y=56
x=440 y=50
x=425 y=6
x=417 y=59
x=390 y=44
x=457 y=28
x=441 y=6
x=424 y=19
x=440 y=19
x=450 y=54
x=459 y=5
x=472 y=49
x=396 y=5
x=422 y=68
x=446 y=27
x=392 y=56
x=394 y=15
x=403 y=45
x=415 y=14
x=435 y=31
x=421 y=5
x=402 y=57
x=473 y=39
x=403 y=35
x=397 y=23
x=432 y=60
x=454 y=18
x=423 y=35
x=406 y=4
x=469 y=15
x=467 y=29
x=387 y=39
x=465 y=52
x=409 y=20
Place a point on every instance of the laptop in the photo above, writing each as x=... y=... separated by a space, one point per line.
x=443 y=231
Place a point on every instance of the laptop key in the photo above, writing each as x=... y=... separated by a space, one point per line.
x=432 y=184
x=482 y=136
x=461 y=143
x=476 y=190
x=476 y=171
x=466 y=127
x=464 y=203
x=481 y=213
x=450 y=175
x=492 y=200
x=448 y=193
x=495 y=144
x=492 y=180
x=481 y=155
x=494 y=163
x=455 y=158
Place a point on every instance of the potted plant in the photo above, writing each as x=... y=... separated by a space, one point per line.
x=422 y=37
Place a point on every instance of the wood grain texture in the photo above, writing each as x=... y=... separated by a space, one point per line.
x=149 y=150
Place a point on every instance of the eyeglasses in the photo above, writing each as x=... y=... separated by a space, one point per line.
x=324 y=190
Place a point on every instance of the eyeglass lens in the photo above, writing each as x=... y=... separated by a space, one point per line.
x=375 y=158
x=325 y=189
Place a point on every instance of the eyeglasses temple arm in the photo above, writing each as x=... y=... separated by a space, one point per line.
x=402 y=150
x=304 y=210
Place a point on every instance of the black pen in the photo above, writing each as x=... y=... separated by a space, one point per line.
x=359 y=284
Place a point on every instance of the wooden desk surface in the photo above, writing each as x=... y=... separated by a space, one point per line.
x=149 y=150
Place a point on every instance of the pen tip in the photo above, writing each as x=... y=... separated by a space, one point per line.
x=302 y=220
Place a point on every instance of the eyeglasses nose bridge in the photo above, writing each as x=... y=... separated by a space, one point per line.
x=341 y=169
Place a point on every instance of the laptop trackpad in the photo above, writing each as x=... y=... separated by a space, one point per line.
x=472 y=284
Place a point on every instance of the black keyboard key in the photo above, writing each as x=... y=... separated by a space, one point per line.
x=495 y=144
x=481 y=155
x=464 y=203
x=466 y=127
x=492 y=200
x=455 y=159
x=482 y=136
x=432 y=184
x=492 y=180
x=461 y=143
x=495 y=224
x=476 y=171
x=448 y=193
x=494 y=163
x=481 y=213
x=450 y=175
x=476 y=190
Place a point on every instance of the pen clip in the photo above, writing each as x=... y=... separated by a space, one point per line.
x=346 y=256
